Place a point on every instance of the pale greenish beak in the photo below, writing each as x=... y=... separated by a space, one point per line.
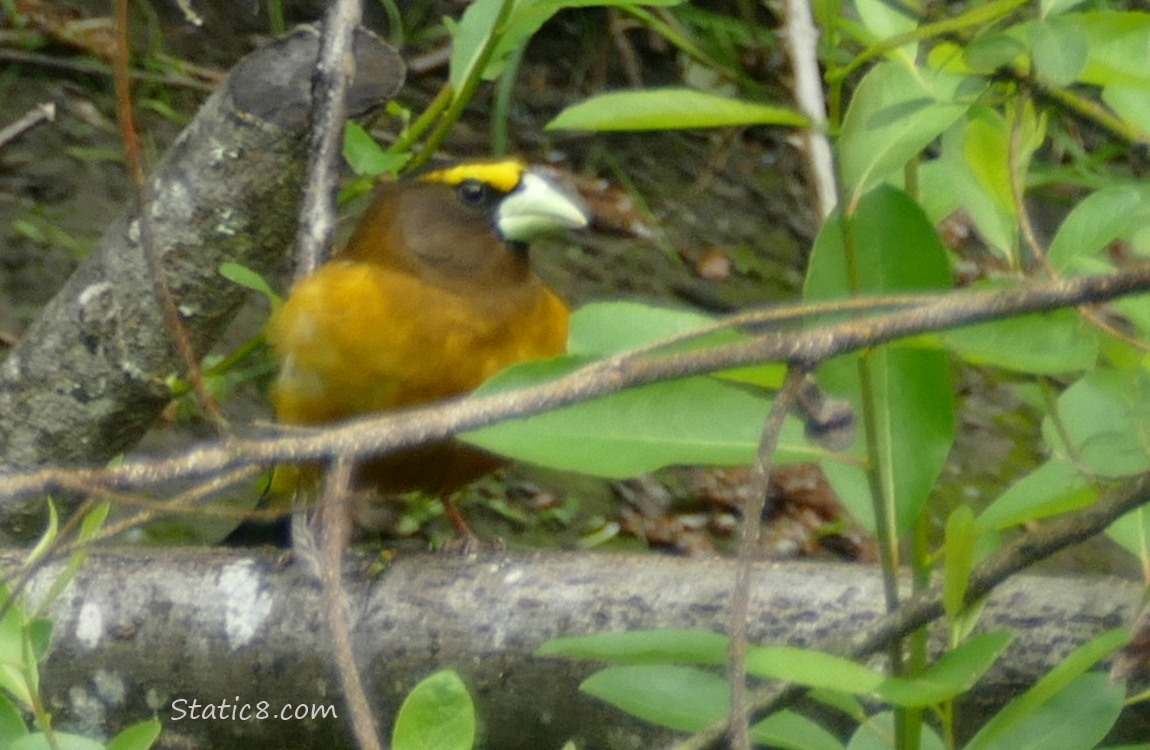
x=539 y=206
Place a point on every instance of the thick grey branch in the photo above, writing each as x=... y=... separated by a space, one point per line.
x=139 y=629
x=88 y=377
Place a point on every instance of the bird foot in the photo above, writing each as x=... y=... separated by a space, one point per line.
x=466 y=542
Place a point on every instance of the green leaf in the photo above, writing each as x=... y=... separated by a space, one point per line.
x=951 y=175
x=12 y=724
x=955 y=673
x=1131 y=103
x=990 y=52
x=1024 y=718
x=1054 y=7
x=811 y=668
x=937 y=192
x=840 y=701
x=877 y=731
x=39 y=634
x=469 y=37
x=1054 y=487
x=1078 y=716
x=139 y=736
x=698 y=420
x=1101 y=218
x=525 y=18
x=13 y=664
x=669 y=109
x=1051 y=343
x=961 y=534
x=249 y=279
x=685 y=699
x=64 y=741
x=986 y=148
x=48 y=538
x=884 y=20
x=1132 y=532
x=1119 y=52
x=1106 y=417
x=893 y=249
x=894 y=114
x=791 y=731
x=92 y=523
x=643 y=647
x=436 y=715
x=1060 y=50
x=365 y=157
x=602 y=328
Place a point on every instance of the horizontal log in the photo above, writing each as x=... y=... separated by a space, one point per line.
x=143 y=632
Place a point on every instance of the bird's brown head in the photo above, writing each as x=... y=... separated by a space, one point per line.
x=464 y=224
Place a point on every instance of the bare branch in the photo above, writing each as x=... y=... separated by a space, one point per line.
x=801 y=41
x=334 y=73
x=378 y=434
x=748 y=545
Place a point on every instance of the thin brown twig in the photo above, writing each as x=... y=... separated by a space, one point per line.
x=1018 y=193
x=740 y=732
x=315 y=237
x=379 y=434
x=335 y=531
x=776 y=315
x=182 y=503
x=130 y=137
x=617 y=28
x=1098 y=321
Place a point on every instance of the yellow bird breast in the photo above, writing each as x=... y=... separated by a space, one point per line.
x=355 y=338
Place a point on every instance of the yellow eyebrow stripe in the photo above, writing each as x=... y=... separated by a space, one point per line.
x=504 y=176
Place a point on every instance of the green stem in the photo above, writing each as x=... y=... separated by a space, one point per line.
x=395 y=28
x=672 y=35
x=424 y=122
x=919 y=640
x=879 y=481
x=1096 y=113
x=466 y=91
x=978 y=16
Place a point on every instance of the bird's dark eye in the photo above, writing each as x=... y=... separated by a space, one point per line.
x=473 y=193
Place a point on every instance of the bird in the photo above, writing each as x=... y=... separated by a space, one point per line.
x=432 y=295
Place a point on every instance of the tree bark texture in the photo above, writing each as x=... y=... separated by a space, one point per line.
x=89 y=376
x=138 y=630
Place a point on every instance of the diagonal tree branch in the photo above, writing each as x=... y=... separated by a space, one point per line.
x=374 y=435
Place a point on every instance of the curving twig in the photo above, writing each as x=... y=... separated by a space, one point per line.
x=379 y=434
